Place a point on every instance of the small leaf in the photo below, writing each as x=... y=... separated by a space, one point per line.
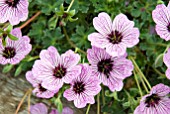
x=159 y=61
x=59 y=104
x=61 y=8
x=114 y=95
x=52 y=23
x=72 y=20
x=7 y=68
x=1 y=31
x=60 y=107
x=12 y=37
x=9 y=28
x=18 y=70
x=72 y=13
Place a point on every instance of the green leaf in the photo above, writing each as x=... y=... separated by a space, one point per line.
x=7 y=68
x=72 y=13
x=18 y=70
x=114 y=95
x=61 y=8
x=9 y=29
x=52 y=23
x=159 y=61
x=59 y=104
x=12 y=37
x=1 y=30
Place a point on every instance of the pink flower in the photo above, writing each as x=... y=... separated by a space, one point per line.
x=15 y=51
x=161 y=17
x=114 y=36
x=54 y=69
x=166 y=60
x=157 y=102
x=41 y=108
x=39 y=90
x=83 y=88
x=66 y=110
x=13 y=11
x=110 y=70
x=38 y=108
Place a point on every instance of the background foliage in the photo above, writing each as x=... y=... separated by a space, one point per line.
x=48 y=29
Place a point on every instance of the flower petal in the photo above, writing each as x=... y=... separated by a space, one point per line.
x=103 y=24
x=98 y=40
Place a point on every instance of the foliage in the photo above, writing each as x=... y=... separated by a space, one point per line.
x=48 y=29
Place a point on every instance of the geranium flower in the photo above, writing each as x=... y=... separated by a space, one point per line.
x=39 y=90
x=83 y=88
x=14 y=51
x=38 y=108
x=114 y=37
x=41 y=108
x=110 y=70
x=161 y=17
x=66 y=110
x=166 y=59
x=157 y=102
x=54 y=69
x=13 y=11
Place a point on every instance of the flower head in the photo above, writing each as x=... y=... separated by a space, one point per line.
x=110 y=70
x=83 y=88
x=54 y=69
x=15 y=51
x=161 y=17
x=13 y=11
x=39 y=90
x=38 y=108
x=114 y=37
x=166 y=60
x=66 y=110
x=157 y=102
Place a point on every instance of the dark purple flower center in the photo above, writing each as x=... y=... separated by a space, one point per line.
x=78 y=87
x=12 y=3
x=9 y=52
x=42 y=89
x=152 y=100
x=59 y=71
x=115 y=37
x=65 y=15
x=168 y=27
x=105 y=66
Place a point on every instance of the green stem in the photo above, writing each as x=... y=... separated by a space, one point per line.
x=158 y=72
x=147 y=82
x=103 y=98
x=98 y=103
x=68 y=9
x=140 y=72
x=88 y=108
x=167 y=47
x=137 y=82
x=159 y=44
x=143 y=83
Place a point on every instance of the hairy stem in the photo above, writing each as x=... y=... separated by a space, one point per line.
x=29 y=101
x=68 y=9
x=22 y=100
x=88 y=109
x=30 y=20
x=137 y=82
x=103 y=98
x=140 y=72
x=98 y=103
